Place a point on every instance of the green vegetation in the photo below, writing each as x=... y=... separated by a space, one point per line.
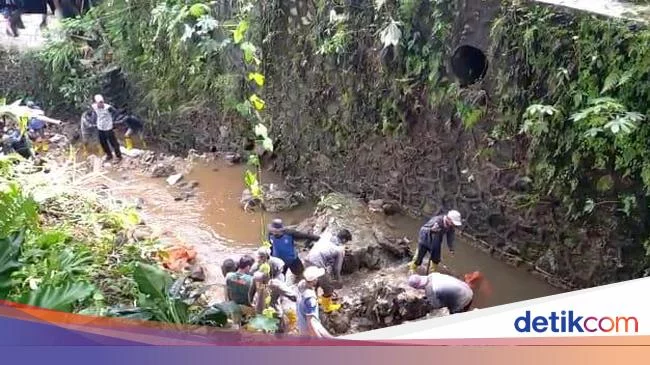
x=586 y=134
x=62 y=249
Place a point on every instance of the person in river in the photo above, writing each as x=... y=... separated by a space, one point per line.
x=272 y=266
x=283 y=246
x=134 y=127
x=444 y=290
x=309 y=323
x=103 y=115
x=272 y=292
x=430 y=238
x=238 y=283
x=328 y=254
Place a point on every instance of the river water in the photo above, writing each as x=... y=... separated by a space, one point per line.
x=216 y=226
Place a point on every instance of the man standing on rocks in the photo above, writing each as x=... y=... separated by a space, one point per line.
x=104 y=116
x=430 y=238
x=328 y=254
x=307 y=306
x=283 y=246
x=447 y=291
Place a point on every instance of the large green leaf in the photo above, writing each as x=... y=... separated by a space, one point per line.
x=212 y=316
x=58 y=298
x=152 y=281
x=9 y=252
x=263 y=323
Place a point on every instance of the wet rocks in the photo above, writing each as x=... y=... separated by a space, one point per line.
x=232 y=158
x=275 y=199
x=197 y=273
x=381 y=206
x=381 y=302
x=162 y=170
x=173 y=179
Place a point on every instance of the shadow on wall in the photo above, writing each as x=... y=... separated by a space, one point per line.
x=469 y=64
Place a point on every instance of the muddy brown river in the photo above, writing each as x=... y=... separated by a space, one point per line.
x=215 y=225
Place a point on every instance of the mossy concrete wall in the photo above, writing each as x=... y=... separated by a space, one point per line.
x=360 y=120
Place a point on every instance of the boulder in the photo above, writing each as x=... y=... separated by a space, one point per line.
x=380 y=302
x=275 y=199
x=374 y=244
x=162 y=170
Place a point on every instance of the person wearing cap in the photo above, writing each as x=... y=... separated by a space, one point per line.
x=328 y=253
x=268 y=264
x=103 y=115
x=448 y=291
x=309 y=323
x=283 y=246
x=431 y=235
x=271 y=292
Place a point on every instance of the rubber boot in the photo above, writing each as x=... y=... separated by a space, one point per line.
x=328 y=305
x=99 y=149
x=128 y=141
x=432 y=268
x=291 y=319
x=412 y=267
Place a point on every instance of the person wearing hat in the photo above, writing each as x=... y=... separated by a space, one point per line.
x=446 y=291
x=103 y=115
x=268 y=264
x=307 y=305
x=328 y=253
x=283 y=246
x=431 y=235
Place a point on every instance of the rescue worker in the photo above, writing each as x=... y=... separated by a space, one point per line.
x=272 y=292
x=448 y=291
x=135 y=127
x=268 y=264
x=36 y=130
x=228 y=266
x=238 y=287
x=16 y=141
x=328 y=254
x=430 y=238
x=283 y=246
x=307 y=305
x=238 y=283
x=88 y=128
x=103 y=116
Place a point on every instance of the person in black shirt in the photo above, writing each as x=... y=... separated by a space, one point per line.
x=134 y=126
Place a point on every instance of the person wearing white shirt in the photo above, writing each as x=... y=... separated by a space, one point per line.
x=103 y=114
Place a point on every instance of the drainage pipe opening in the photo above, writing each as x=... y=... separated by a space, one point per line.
x=469 y=64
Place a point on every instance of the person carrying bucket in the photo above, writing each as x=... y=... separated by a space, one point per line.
x=448 y=291
x=430 y=239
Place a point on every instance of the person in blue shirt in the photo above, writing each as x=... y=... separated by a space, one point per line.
x=283 y=246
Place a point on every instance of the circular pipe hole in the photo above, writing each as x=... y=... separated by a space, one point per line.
x=469 y=64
